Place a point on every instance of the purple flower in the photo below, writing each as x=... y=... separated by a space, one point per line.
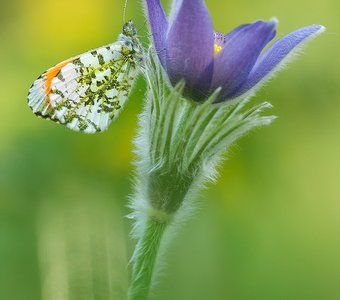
x=189 y=49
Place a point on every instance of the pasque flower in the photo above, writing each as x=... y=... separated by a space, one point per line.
x=189 y=49
x=180 y=143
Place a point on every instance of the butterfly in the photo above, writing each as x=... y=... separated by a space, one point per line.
x=87 y=92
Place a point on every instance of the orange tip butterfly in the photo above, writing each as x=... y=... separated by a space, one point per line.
x=87 y=92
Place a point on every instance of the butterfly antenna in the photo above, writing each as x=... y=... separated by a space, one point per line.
x=124 y=11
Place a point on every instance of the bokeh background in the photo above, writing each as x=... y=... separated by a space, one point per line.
x=268 y=229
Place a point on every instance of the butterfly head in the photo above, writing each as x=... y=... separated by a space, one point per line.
x=129 y=29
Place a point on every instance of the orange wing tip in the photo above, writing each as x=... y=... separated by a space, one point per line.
x=53 y=72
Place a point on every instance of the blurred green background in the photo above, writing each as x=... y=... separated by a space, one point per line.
x=270 y=227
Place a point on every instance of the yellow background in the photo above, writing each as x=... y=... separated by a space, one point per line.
x=268 y=229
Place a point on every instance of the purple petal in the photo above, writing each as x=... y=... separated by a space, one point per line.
x=159 y=27
x=277 y=55
x=234 y=31
x=239 y=54
x=190 y=46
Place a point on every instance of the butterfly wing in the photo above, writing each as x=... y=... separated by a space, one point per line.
x=86 y=92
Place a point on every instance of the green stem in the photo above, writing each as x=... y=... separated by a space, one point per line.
x=144 y=259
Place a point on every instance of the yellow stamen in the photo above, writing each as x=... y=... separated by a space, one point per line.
x=217 y=49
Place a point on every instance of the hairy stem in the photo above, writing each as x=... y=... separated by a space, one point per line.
x=144 y=259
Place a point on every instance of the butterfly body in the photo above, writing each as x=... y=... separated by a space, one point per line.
x=87 y=92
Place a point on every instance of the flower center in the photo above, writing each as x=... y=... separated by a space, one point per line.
x=218 y=43
x=217 y=49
